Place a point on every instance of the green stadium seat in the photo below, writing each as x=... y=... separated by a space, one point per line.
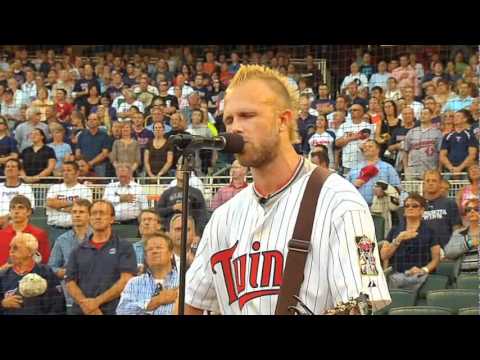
x=420 y=310
x=379 y=223
x=469 y=311
x=468 y=281
x=125 y=231
x=433 y=282
x=454 y=299
x=400 y=298
x=450 y=268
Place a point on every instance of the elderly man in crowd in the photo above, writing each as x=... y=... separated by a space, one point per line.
x=126 y=196
x=29 y=288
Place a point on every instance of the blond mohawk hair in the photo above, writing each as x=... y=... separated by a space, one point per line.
x=279 y=84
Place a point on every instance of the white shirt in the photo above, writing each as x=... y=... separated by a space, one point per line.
x=126 y=211
x=8 y=192
x=350 y=78
x=241 y=257
x=125 y=106
x=351 y=154
x=30 y=91
x=186 y=90
x=323 y=139
x=194 y=182
x=63 y=192
x=151 y=89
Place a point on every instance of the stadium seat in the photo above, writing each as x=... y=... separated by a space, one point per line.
x=468 y=281
x=433 y=282
x=379 y=223
x=450 y=268
x=125 y=231
x=420 y=310
x=400 y=298
x=454 y=299
x=469 y=311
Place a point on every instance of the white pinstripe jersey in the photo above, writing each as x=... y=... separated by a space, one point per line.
x=241 y=257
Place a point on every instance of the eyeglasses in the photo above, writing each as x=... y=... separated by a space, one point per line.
x=470 y=209
x=414 y=206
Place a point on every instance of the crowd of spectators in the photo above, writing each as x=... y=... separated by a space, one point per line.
x=111 y=116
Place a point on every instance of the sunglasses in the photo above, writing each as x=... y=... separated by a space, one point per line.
x=414 y=206
x=470 y=209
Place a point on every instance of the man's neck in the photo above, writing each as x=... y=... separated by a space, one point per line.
x=177 y=250
x=71 y=184
x=459 y=128
x=81 y=231
x=237 y=182
x=93 y=131
x=161 y=272
x=276 y=173
x=13 y=181
x=372 y=160
x=357 y=121
x=102 y=236
x=474 y=227
x=426 y=125
x=431 y=196
x=19 y=227
x=137 y=128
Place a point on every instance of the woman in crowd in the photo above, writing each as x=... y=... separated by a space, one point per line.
x=158 y=155
x=93 y=99
x=38 y=160
x=322 y=136
x=126 y=149
x=470 y=191
x=389 y=123
x=464 y=242
x=63 y=151
x=412 y=250
x=42 y=102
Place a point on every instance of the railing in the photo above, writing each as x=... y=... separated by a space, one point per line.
x=211 y=186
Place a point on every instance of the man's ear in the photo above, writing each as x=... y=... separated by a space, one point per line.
x=286 y=116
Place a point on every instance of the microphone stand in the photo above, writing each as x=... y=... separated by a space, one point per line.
x=188 y=158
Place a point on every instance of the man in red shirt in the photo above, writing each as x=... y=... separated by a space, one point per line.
x=62 y=107
x=20 y=212
x=238 y=174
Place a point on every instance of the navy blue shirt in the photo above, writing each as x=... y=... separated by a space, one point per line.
x=92 y=145
x=414 y=252
x=97 y=270
x=303 y=125
x=52 y=302
x=457 y=144
x=8 y=145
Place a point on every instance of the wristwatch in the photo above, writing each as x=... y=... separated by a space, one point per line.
x=425 y=270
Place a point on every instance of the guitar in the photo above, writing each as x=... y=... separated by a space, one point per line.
x=358 y=306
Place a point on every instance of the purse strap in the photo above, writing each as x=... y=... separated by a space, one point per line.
x=299 y=246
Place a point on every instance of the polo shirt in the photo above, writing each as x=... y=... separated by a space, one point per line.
x=97 y=270
x=7 y=234
x=457 y=144
x=413 y=252
x=92 y=145
x=36 y=162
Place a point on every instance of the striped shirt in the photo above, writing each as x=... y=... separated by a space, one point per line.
x=238 y=268
x=139 y=292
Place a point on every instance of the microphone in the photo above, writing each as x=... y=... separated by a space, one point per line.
x=226 y=142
